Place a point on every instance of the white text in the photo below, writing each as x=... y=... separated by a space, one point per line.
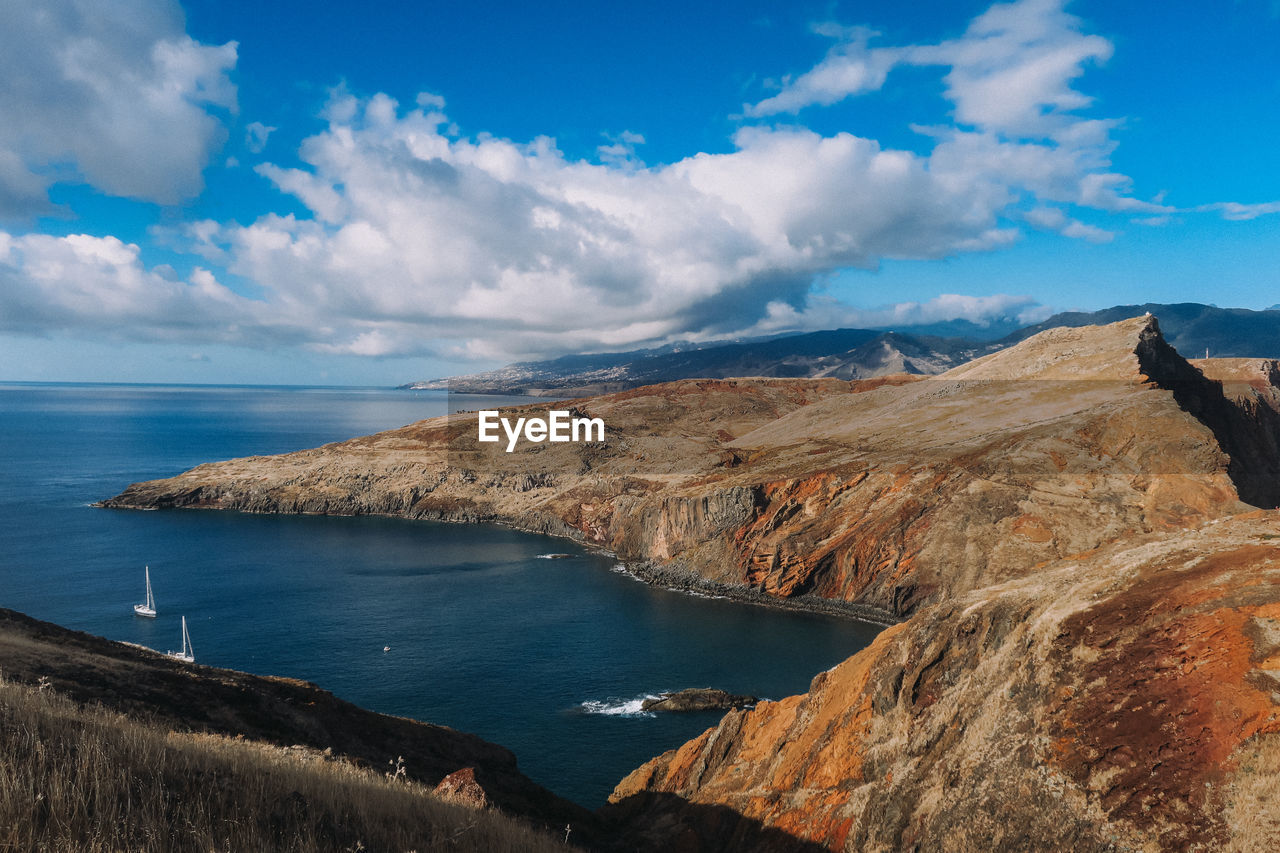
x=559 y=425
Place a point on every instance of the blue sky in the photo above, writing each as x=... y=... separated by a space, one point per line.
x=315 y=194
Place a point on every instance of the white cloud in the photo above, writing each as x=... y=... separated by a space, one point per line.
x=113 y=94
x=1238 y=212
x=1053 y=219
x=621 y=150
x=1011 y=71
x=1010 y=79
x=1082 y=231
x=823 y=312
x=256 y=134
x=430 y=101
x=850 y=68
x=81 y=283
x=421 y=239
x=418 y=235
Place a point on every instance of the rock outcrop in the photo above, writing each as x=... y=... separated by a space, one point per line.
x=461 y=786
x=697 y=699
x=889 y=493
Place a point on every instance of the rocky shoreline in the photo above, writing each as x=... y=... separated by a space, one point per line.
x=676 y=578
x=683 y=580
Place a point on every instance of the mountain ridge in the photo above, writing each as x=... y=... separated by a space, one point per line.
x=839 y=353
x=857 y=353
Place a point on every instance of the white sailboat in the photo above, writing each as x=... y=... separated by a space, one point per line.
x=188 y=654
x=149 y=608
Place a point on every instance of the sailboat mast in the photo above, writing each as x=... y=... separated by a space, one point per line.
x=148 y=607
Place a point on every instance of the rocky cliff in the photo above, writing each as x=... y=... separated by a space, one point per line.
x=888 y=494
x=1126 y=698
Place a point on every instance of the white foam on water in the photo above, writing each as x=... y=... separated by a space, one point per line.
x=621 y=569
x=696 y=594
x=619 y=707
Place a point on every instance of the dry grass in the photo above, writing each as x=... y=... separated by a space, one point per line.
x=88 y=779
x=1251 y=797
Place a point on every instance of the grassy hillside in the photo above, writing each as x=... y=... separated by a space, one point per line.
x=78 y=778
x=145 y=685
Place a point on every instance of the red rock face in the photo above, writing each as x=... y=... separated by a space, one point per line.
x=1176 y=687
x=461 y=786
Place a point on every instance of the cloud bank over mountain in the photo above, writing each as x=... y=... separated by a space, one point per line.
x=413 y=237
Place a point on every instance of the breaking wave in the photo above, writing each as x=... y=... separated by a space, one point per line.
x=618 y=707
x=621 y=569
x=696 y=594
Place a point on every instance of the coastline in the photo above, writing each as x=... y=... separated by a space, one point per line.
x=682 y=580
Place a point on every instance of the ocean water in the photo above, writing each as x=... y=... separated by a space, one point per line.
x=548 y=657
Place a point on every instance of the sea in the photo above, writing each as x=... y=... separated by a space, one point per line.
x=470 y=626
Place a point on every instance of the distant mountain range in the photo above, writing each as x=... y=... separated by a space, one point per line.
x=1191 y=327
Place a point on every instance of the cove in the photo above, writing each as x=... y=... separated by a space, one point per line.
x=546 y=657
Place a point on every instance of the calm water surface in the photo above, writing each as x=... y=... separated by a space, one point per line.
x=546 y=657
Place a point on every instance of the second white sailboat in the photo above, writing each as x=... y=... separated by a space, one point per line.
x=188 y=654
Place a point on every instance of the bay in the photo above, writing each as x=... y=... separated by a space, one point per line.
x=548 y=657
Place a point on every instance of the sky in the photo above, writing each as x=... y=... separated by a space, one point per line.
x=369 y=194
